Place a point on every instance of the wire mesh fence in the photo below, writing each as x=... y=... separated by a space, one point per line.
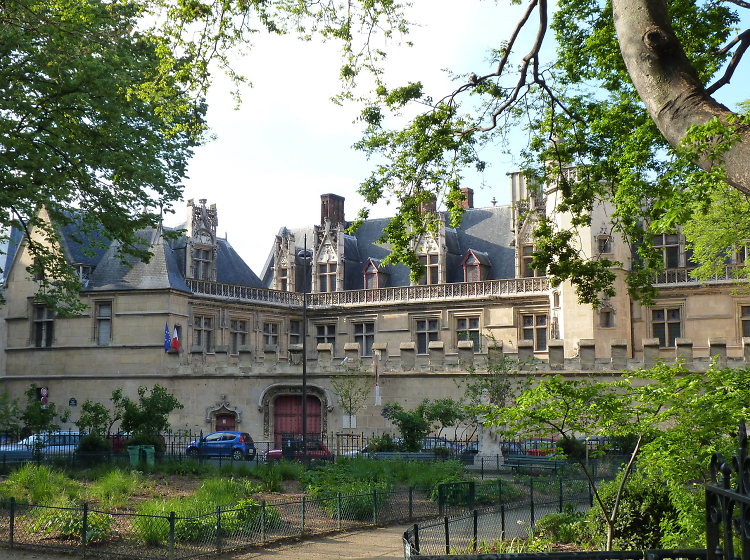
x=473 y=514
x=172 y=536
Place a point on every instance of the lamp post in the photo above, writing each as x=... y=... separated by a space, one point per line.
x=305 y=257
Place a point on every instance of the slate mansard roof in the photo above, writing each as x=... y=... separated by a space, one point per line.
x=166 y=269
x=484 y=230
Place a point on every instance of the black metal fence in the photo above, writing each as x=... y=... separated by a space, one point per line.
x=173 y=536
x=473 y=513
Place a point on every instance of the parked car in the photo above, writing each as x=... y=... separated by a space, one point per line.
x=538 y=447
x=292 y=449
x=432 y=442
x=237 y=445
x=55 y=443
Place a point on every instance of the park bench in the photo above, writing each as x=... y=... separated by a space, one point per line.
x=518 y=462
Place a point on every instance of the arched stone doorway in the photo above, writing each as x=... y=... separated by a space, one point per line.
x=223 y=416
x=289 y=400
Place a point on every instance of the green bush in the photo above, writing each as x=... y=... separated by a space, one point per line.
x=67 y=524
x=93 y=443
x=565 y=527
x=571 y=448
x=383 y=444
x=644 y=506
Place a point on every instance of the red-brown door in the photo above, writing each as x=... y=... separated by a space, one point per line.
x=225 y=422
x=287 y=418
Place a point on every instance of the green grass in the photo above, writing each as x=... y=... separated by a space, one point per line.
x=39 y=485
x=113 y=488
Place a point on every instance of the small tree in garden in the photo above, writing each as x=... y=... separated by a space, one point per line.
x=683 y=416
x=95 y=418
x=412 y=424
x=39 y=417
x=148 y=417
x=444 y=413
x=352 y=391
x=10 y=415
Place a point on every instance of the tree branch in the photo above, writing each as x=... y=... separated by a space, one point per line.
x=744 y=40
x=669 y=86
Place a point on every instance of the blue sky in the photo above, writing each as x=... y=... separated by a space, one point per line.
x=288 y=143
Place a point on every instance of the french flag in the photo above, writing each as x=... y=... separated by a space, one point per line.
x=175 y=341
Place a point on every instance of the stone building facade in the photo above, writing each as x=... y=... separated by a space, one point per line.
x=241 y=334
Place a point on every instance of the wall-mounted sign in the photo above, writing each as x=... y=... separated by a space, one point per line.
x=72 y=402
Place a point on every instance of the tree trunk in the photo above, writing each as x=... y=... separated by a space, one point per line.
x=669 y=85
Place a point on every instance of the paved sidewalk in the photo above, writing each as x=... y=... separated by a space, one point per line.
x=367 y=544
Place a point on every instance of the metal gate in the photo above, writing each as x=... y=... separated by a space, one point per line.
x=287 y=416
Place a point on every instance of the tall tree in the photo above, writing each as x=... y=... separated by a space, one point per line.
x=101 y=104
x=625 y=100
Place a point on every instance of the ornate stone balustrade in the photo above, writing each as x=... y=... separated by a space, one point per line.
x=675 y=276
x=380 y=296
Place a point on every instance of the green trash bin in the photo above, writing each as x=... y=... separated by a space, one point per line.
x=141 y=454
x=134 y=452
x=149 y=449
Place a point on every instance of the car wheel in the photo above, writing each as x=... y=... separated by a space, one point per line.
x=238 y=455
x=192 y=452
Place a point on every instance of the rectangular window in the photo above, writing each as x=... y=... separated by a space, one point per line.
x=203 y=331
x=605 y=244
x=431 y=275
x=468 y=329
x=327 y=277
x=669 y=244
x=103 y=324
x=427 y=331
x=283 y=280
x=270 y=335
x=535 y=328
x=44 y=326
x=364 y=333
x=666 y=326
x=526 y=259
x=605 y=319
x=325 y=334
x=472 y=273
x=745 y=311
x=237 y=335
x=371 y=277
x=201 y=264
x=295 y=332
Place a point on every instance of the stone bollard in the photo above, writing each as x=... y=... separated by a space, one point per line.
x=408 y=355
x=436 y=348
x=619 y=353
x=587 y=352
x=683 y=349
x=466 y=353
x=717 y=348
x=650 y=351
x=556 y=349
x=525 y=350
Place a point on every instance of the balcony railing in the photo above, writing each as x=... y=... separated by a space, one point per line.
x=380 y=296
x=732 y=273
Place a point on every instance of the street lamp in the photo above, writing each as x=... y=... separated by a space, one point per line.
x=305 y=256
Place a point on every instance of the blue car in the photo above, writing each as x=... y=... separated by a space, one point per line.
x=237 y=445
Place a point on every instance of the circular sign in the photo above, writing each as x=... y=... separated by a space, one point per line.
x=44 y=400
x=44 y=391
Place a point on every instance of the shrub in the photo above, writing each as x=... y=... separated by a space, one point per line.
x=571 y=448
x=644 y=506
x=67 y=524
x=113 y=489
x=562 y=527
x=383 y=444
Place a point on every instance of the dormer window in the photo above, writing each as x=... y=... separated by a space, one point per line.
x=327 y=277
x=202 y=264
x=432 y=275
x=476 y=266
x=283 y=284
x=374 y=276
x=371 y=277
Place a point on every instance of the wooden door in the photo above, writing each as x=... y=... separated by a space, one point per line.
x=287 y=418
x=225 y=422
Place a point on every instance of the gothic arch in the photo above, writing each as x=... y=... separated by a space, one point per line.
x=274 y=391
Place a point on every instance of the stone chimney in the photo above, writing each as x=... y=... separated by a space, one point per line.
x=428 y=206
x=332 y=208
x=468 y=201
